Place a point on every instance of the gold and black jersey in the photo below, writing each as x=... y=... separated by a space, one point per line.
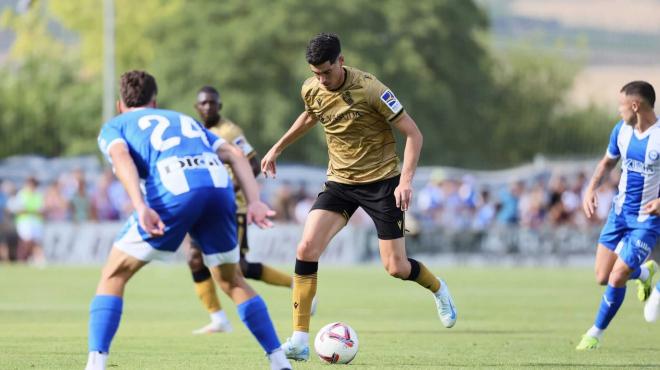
x=232 y=133
x=357 y=119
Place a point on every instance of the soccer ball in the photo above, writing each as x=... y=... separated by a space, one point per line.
x=336 y=343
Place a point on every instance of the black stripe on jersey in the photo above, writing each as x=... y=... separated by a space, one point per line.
x=397 y=115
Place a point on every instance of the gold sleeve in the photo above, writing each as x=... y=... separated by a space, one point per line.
x=383 y=100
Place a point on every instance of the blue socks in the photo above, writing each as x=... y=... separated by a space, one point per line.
x=104 y=316
x=635 y=274
x=609 y=305
x=254 y=315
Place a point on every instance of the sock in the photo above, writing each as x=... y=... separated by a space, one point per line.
x=219 y=316
x=641 y=273
x=251 y=270
x=96 y=360
x=595 y=332
x=422 y=276
x=205 y=289
x=274 y=277
x=304 y=290
x=278 y=360
x=300 y=338
x=254 y=315
x=104 y=315
x=609 y=305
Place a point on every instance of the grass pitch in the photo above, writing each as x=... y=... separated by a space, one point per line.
x=507 y=318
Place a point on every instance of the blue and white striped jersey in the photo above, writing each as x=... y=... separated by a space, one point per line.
x=640 y=166
x=173 y=153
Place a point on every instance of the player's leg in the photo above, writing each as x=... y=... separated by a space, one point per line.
x=320 y=227
x=397 y=264
x=205 y=290
x=215 y=232
x=605 y=259
x=377 y=200
x=652 y=306
x=256 y=270
x=106 y=307
x=632 y=250
x=133 y=249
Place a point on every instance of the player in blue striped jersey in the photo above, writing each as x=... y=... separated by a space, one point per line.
x=630 y=232
x=185 y=189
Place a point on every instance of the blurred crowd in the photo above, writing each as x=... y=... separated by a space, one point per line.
x=72 y=197
x=460 y=203
x=449 y=202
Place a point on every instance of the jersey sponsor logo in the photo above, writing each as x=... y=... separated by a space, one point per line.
x=653 y=155
x=346 y=116
x=191 y=162
x=638 y=166
x=346 y=95
x=391 y=101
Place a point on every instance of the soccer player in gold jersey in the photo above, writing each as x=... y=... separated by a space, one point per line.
x=357 y=113
x=208 y=107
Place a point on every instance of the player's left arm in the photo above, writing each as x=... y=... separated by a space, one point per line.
x=652 y=208
x=258 y=212
x=414 y=139
x=127 y=173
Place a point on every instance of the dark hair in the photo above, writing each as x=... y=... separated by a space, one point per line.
x=137 y=88
x=642 y=89
x=209 y=90
x=324 y=47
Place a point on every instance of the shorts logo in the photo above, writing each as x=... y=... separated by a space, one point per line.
x=653 y=155
x=346 y=95
x=399 y=224
x=391 y=101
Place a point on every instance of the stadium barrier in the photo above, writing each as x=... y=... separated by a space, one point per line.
x=89 y=243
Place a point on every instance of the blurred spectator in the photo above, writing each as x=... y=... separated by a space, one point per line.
x=532 y=206
x=81 y=205
x=28 y=206
x=485 y=214
x=509 y=198
x=101 y=201
x=56 y=206
x=8 y=236
x=284 y=203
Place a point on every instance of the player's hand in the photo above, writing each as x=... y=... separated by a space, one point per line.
x=268 y=166
x=589 y=203
x=403 y=196
x=259 y=214
x=150 y=221
x=652 y=208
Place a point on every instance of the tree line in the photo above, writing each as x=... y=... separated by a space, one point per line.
x=476 y=107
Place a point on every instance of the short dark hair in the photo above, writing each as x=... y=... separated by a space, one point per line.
x=209 y=90
x=324 y=47
x=137 y=88
x=642 y=89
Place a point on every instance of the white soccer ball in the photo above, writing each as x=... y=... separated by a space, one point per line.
x=336 y=343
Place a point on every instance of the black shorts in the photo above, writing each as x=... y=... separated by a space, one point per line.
x=241 y=235
x=377 y=199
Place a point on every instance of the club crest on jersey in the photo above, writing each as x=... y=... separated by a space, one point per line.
x=653 y=155
x=346 y=95
x=391 y=101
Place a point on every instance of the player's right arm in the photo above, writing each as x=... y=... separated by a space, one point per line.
x=299 y=128
x=127 y=173
x=590 y=201
x=606 y=164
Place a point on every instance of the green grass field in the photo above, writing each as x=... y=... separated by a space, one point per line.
x=507 y=318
